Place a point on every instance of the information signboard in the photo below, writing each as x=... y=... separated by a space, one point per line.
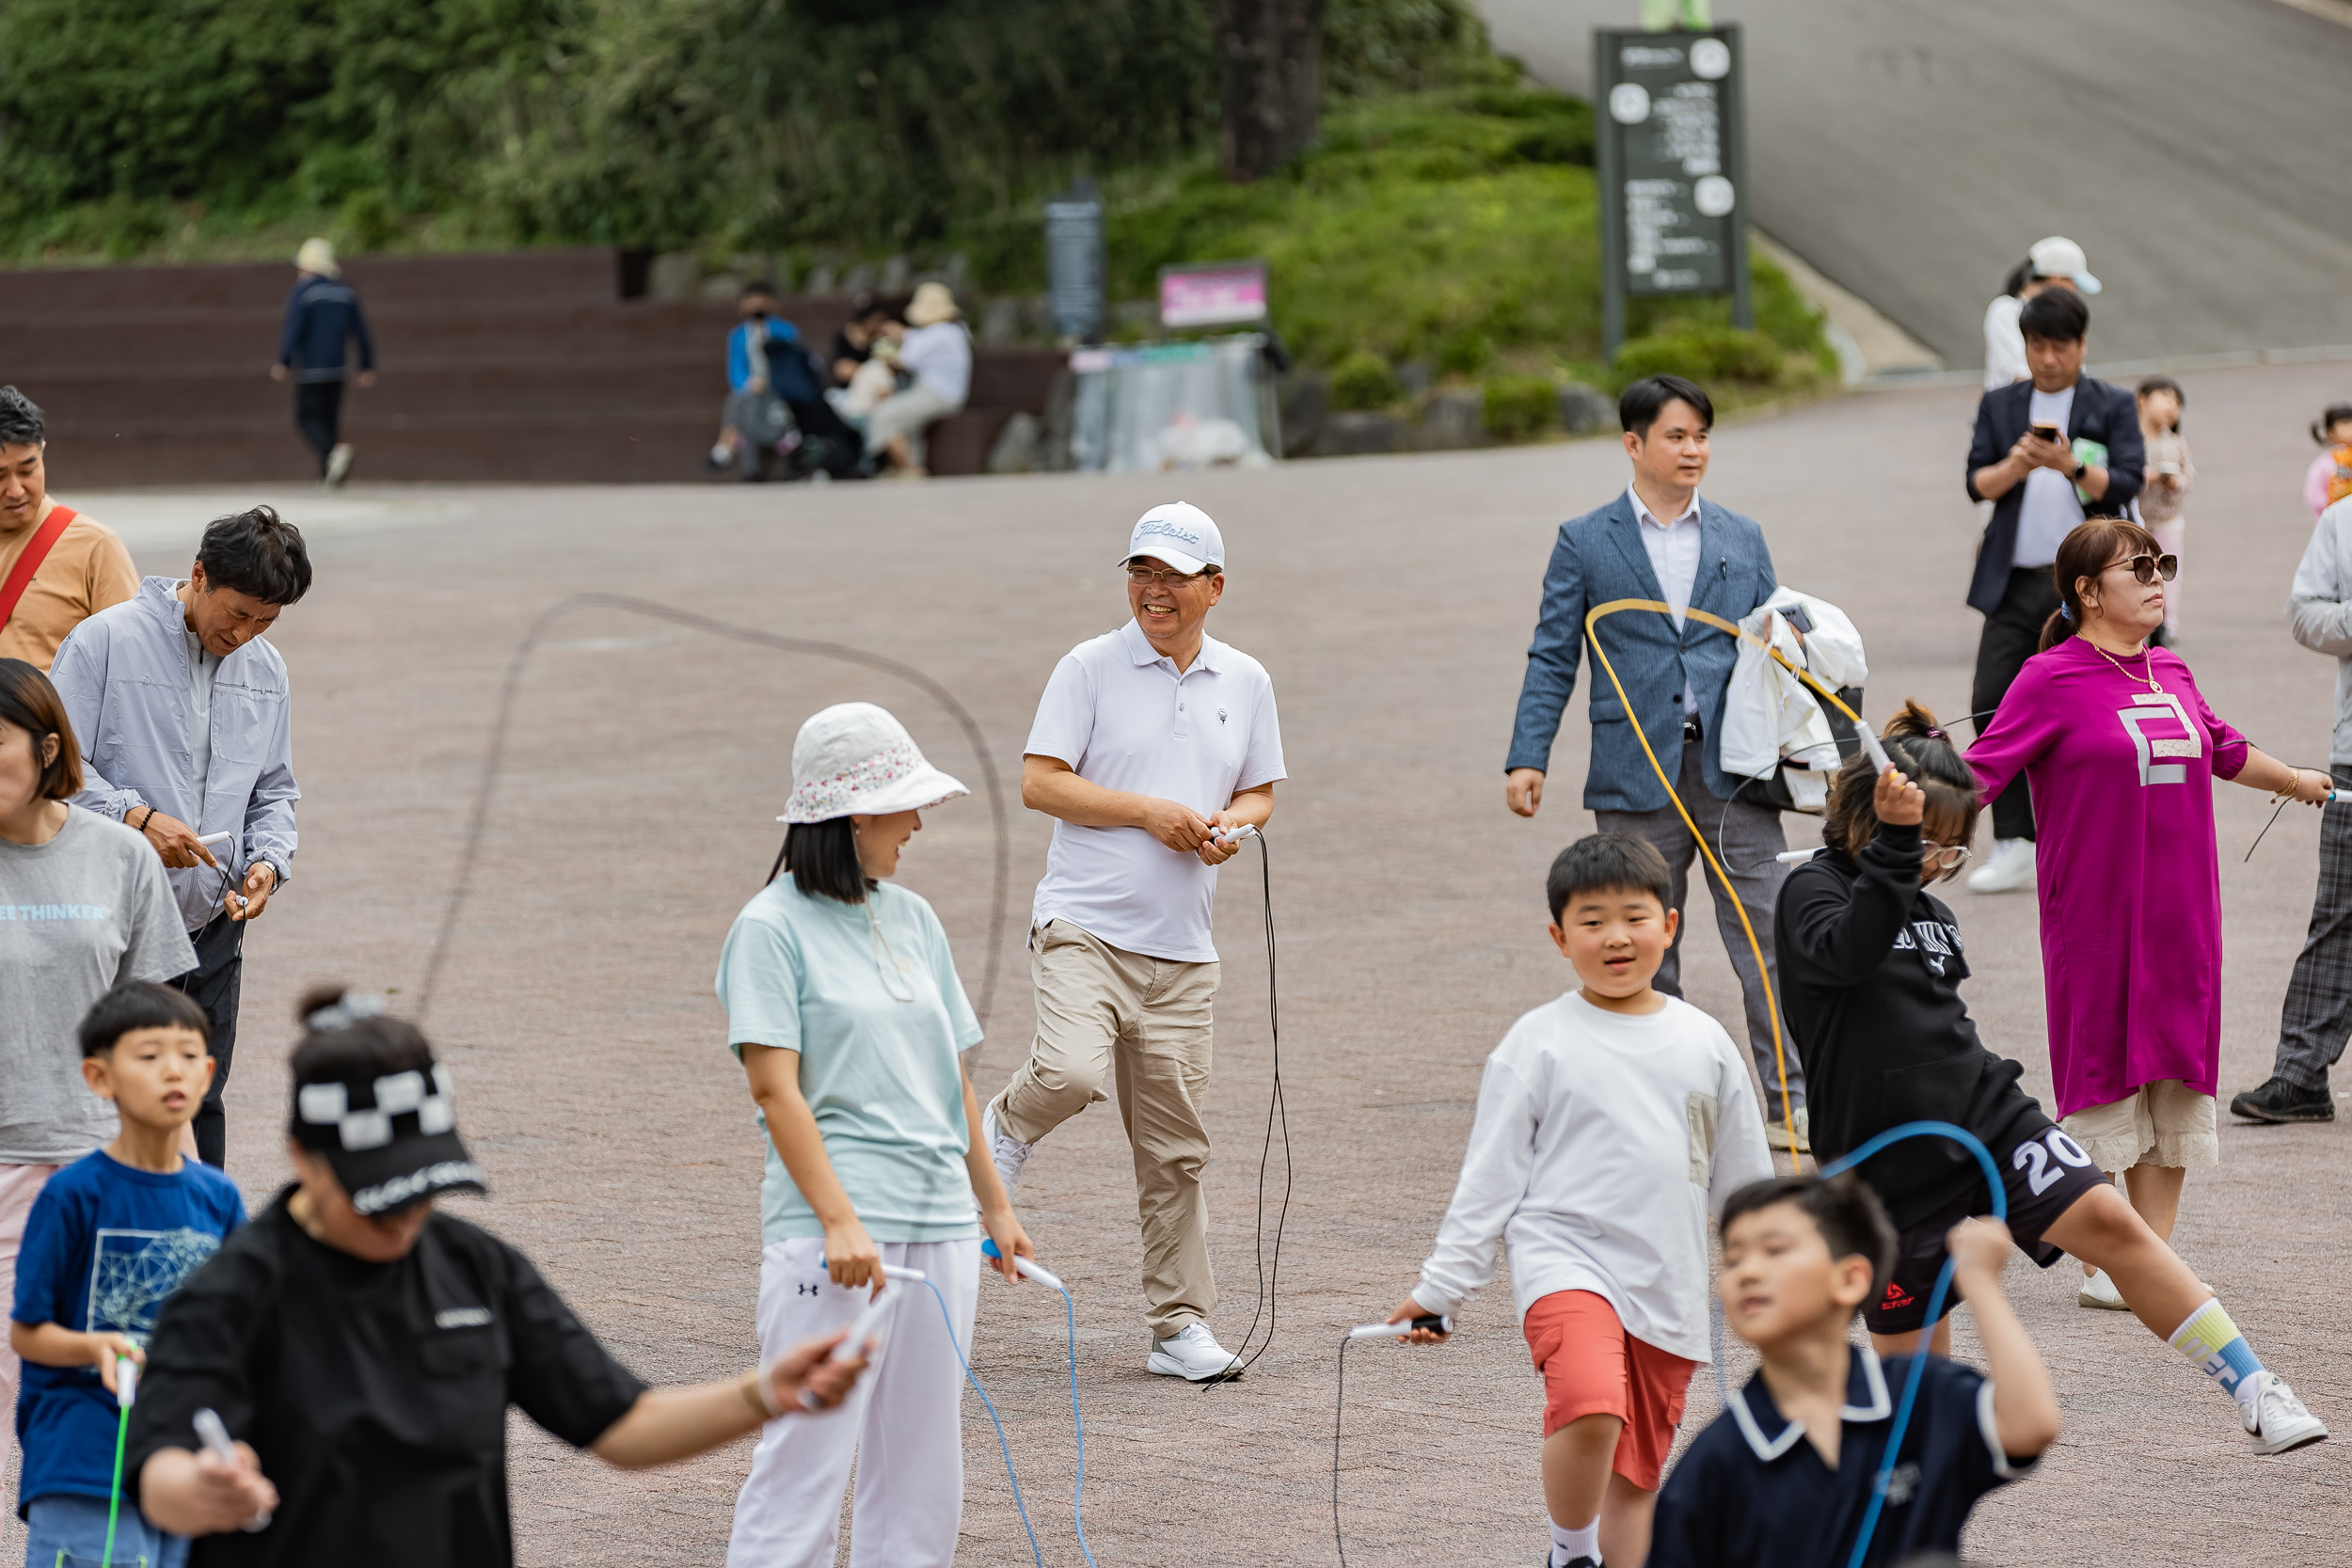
x=1074 y=261
x=1214 y=293
x=1672 y=159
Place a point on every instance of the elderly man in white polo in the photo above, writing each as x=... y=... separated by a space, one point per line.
x=1148 y=739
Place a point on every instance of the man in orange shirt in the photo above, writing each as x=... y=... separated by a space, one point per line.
x=58 y=568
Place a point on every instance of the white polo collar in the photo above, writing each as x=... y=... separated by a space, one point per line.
x=1140 y=650
x=1642 y=514
x=1744 y=1409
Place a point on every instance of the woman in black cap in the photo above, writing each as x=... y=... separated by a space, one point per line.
x=363 y=1347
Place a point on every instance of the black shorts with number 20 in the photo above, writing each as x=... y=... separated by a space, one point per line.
x=2045 y=1172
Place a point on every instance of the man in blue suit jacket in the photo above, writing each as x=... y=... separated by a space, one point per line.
x=2040 y=490
x=1660 y=542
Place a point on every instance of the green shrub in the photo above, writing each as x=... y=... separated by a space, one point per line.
x=1701 y=354
x=1363 y=380
x=1521 y=407
x=366 y=222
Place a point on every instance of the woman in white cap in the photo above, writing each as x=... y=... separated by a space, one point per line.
x=844 y=1005
x=2053 y=262
x=935 y=348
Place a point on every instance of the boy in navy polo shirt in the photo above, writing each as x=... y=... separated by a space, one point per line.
x=110 y=1237
x=1784 y=1477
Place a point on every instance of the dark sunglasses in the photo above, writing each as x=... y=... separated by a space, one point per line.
x=2148 y=568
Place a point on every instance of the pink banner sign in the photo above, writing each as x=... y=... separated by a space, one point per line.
x=1225 y=294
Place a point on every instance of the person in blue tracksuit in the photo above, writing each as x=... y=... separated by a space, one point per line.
x=323 y=321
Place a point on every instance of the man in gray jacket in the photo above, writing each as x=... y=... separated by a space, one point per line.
x=2317 y=1017
x=185 y=722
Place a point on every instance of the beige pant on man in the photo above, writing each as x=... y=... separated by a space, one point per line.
x=1102 y=1011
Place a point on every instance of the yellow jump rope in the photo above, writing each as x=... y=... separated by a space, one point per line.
x=1869 y=744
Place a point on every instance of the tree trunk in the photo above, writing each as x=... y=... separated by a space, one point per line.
x=1270 y=79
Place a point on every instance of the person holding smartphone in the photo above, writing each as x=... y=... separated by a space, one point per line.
x=2048 y=451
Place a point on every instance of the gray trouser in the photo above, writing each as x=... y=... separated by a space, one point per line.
x=1744 y=838
x=2317 y=1017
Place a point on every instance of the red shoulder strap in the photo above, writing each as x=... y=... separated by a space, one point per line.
x=36 y=552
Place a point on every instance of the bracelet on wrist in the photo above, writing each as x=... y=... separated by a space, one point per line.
x=759 y=1391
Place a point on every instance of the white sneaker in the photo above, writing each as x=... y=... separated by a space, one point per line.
x=2007 y=868
x=1008 y=1152
x=1196 y=1356
x=338 y=464
x=2276 y=1418
x=2100 y=1291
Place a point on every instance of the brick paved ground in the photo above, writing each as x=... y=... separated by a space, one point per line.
x=1391 y=599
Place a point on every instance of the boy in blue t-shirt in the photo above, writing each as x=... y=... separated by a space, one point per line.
x=110 y=1237
x=1784 y=1478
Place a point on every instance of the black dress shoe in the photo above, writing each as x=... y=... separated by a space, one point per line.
x=2279 y=1100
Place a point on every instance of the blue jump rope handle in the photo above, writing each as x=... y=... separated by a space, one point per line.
x=1967 y=1140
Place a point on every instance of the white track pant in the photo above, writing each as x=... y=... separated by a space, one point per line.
x=903 y=1424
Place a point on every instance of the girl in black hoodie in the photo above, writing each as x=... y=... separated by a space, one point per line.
x=1871 y=966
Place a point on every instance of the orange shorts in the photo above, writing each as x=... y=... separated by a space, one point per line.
x=1593 y=1367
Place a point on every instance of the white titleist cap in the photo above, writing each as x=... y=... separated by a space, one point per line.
x=2059 y=257
x=855 y=757
x=1178 y=533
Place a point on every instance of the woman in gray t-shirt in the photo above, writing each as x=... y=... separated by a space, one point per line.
x=83 y=905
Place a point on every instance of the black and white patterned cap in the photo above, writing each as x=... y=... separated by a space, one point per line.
x=390 y=1138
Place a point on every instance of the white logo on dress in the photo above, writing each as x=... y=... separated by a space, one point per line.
x=2160 y=705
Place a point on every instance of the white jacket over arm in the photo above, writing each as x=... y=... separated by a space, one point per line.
x=1603 y=1145
x=2319 y=611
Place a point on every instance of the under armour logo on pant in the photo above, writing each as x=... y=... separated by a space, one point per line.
x=804 y=1290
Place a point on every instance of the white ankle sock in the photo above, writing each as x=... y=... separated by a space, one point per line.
x=1569 y=1544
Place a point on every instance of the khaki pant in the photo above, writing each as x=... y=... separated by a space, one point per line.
x=1102 y=1011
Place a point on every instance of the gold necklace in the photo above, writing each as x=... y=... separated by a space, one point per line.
x=2148 y=663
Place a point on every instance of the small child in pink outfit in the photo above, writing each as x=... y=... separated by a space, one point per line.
x=2170 y=475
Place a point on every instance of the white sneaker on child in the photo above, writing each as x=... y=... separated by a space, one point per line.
x=2277 y=1418
x=1007 y=1152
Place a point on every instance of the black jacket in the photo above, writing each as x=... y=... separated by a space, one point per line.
x=1871 y=966
x=2103 y=413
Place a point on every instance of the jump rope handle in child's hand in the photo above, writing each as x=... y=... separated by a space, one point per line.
x=215 y=1439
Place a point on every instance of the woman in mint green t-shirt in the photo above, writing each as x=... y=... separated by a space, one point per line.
x=844 y=1005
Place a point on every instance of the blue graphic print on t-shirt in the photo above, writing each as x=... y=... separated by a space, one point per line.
x=104 y=1248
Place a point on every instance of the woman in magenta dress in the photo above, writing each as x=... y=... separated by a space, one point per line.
x=2121 y=750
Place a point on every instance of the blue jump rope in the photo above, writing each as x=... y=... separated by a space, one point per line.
x=870 y=1318
x=1936 y=1307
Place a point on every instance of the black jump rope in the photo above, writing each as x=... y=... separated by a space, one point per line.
x=1278 y=1114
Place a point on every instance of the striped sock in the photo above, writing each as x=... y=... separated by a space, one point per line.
x=2213 y=1344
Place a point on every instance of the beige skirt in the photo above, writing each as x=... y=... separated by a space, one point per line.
x=2163 y=1123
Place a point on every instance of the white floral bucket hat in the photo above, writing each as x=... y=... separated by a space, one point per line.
x=854 y=757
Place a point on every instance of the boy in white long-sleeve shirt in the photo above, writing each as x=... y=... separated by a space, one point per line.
x=1612 y=1122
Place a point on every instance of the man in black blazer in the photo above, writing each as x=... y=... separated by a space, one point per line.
x=2040 y=489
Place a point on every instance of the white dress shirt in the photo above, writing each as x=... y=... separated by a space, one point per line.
x=1674 y=560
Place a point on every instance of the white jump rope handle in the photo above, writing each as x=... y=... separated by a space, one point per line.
x=1233 y=834
x=1397 y=1331
x=215 y=1439
x=126 y=1382
x=221 y=837
x=1880 y=762
x=1025 y=1267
